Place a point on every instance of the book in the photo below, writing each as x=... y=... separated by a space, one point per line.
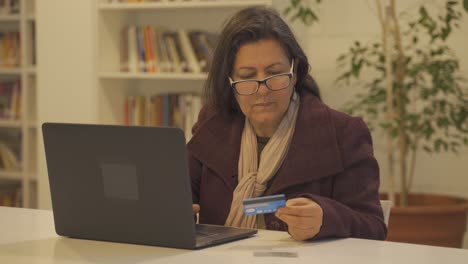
x=165 y=63
x=148 y=47
x=188 y=51
x=10 y=193
x=172 y=52
x=8 y=159
x=153 y=49
x=198 y=51
x=9 y=49
x=140 y=49
x=132 y=49
x=10 y=100
x=168 y=110
x=183 y=60
x=124 y=44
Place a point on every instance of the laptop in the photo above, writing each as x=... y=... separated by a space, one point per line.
x=125 y=184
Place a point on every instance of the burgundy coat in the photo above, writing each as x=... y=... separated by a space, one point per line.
x=330 y=161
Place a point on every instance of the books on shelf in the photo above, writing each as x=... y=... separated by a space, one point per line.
x=10 y=100
x=18 y=102
x=133 y=1
x=9 y=49
x=8 y=159
x=167 y=110
x=159 y=1
x=152 y=49
x=10 y=193
x=9 y=7
x=10 y=149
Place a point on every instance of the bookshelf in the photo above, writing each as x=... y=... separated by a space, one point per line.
x=7 y=17
x=190 y=4
x=18 y=128
x=88 y=87
x=114 y=86
x=155 y=76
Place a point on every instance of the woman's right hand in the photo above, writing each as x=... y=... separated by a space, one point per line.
x=196 y=208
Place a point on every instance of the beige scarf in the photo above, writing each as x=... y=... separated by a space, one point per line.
x=253 y=177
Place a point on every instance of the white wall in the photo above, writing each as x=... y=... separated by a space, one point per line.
x=343 y=22
x=66 y=75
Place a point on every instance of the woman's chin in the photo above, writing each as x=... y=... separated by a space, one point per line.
x=263 y=120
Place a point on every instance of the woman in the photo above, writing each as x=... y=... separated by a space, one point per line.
x=265 y=131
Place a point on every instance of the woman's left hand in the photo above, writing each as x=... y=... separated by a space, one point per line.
x=303 y=216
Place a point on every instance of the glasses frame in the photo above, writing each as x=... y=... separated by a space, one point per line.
x=290 y=74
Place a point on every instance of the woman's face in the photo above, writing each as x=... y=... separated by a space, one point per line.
x=258 y=60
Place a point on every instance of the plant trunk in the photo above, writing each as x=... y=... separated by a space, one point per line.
x=412 y=164
x=385 y=27
x=402 y=147
x=400 y=69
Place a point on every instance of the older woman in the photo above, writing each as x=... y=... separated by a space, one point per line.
x=265 y=131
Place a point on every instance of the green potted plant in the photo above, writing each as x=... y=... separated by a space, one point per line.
x=414 y=95
x=416 y=98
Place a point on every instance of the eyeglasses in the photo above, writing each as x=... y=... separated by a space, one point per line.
x=275 y=82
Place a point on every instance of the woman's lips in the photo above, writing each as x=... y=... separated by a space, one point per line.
x=264 y=104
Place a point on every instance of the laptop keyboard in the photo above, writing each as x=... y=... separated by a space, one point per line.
x=206 y=231
x=212 y=234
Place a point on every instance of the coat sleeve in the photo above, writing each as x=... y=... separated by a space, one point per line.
x=194 y=165
x=354 y=209
x=195 y=170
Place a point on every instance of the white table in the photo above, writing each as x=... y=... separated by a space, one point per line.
x=28 y=236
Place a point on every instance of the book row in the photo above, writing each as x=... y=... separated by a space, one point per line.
x=10 y=149
x=161 y=1
x=9 y=7
x=10 y=100
x=153 y=49
x=164 y=110
x=9 y=49
x=10 y=194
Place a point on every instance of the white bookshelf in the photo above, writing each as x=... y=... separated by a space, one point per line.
x=10 y=123
x=155 y=76
x=26 y=174
x=88 y=87
x=16 y=71
x=114 y=85
x=11 y=175
x=194 y=4
x=4 y=18
x=31 y=70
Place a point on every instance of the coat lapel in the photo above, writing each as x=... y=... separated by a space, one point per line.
x=217 y=145
x=314 y=151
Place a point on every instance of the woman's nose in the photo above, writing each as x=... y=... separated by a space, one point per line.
x=263 y=89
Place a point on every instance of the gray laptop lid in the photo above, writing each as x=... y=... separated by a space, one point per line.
x=121 y=184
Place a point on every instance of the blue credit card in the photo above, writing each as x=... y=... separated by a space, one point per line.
x=263 y=205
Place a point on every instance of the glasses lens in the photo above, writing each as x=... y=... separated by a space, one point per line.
x=278 y=82
x=247 y=87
